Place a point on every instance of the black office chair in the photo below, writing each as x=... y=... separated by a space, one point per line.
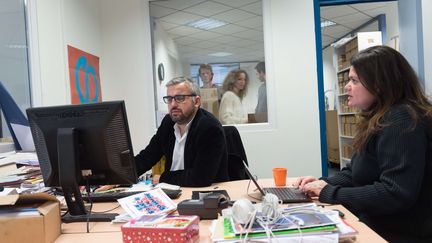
x=236 y=154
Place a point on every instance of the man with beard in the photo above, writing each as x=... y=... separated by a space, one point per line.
x=261 y=108
x=191 y=139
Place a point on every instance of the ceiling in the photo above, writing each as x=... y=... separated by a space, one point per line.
x=242 y=36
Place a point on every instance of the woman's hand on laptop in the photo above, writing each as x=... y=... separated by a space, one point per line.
x=314 y=188
x=301 y=181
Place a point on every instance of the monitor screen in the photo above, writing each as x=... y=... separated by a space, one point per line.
x=86 y=144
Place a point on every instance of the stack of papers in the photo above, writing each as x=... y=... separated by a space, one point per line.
x=19 y=158
x=28 y=173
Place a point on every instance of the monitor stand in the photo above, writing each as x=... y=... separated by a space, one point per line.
x=67 y=144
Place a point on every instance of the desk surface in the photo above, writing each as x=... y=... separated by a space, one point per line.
x=107 y=232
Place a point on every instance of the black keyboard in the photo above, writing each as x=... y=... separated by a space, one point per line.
x=288 y=195
x=113 y=196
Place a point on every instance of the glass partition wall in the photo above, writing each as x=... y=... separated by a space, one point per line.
x=221 y=37
x=14 y=68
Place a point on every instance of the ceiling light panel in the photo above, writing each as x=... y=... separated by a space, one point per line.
x=206 y=24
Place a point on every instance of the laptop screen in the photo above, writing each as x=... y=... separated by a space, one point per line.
x=253 y=178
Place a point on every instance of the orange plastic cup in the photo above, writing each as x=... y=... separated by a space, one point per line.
x=279 y=175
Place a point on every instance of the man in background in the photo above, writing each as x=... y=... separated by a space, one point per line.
x=206 y=74
x=261 y=108
x=211 y=93
x=191 y=139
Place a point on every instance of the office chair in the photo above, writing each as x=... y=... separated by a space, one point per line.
x=236 y=154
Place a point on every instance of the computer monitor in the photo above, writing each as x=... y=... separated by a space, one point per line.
x=86 y=144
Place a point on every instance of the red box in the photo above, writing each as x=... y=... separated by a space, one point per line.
x=162 y=229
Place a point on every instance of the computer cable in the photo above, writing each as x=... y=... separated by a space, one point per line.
x=270 y=208
x=244 y=212
x=88 y=190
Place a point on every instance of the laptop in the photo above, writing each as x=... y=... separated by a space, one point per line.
x=285 y=194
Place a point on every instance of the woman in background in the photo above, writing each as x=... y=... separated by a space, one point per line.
x=231 y=110
x=388 y=183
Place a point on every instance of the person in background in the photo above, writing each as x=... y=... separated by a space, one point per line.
x=261 y=108
x=231 y=110
x=388 y=182
x=211 y=93
x=192 y=140
x=206 y=74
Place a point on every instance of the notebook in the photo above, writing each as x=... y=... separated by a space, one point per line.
x=285 y=194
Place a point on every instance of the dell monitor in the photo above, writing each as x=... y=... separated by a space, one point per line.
x=86 y=144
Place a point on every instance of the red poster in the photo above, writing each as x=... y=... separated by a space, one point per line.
x=84 y=76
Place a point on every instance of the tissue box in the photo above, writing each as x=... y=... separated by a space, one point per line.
x=161 y=229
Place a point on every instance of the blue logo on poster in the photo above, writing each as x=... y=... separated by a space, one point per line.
x=82 y=63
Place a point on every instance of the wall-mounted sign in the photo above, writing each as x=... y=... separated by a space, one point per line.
x=84 y=76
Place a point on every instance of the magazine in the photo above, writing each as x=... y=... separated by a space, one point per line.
x=153 y=202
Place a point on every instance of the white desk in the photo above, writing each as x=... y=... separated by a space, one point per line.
x=106 y=232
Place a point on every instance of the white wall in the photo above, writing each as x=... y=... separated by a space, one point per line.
x=52 y=62
x=165 y=52
x=292 y=139
x=427 y=44
x=125 y=54
x=127 y=64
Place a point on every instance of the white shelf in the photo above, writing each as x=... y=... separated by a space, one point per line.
x=345 y=136
x=347 y=113
x=344 y=162
x=343 y=70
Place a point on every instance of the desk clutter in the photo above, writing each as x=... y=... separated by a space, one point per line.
x=149 y=212
x=303 y=223
x=20 y=170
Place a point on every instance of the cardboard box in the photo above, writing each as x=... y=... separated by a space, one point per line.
x=180 y=228
x=209 y=100
x=332 y=136
x=31 y=218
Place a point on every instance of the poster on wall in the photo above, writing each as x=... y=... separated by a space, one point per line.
x=84 y=77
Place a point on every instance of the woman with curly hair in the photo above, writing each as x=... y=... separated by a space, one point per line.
x=231 y=110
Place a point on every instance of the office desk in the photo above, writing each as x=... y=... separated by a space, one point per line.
x=106 y=232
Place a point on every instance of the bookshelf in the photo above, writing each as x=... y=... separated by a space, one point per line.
x=347 y=116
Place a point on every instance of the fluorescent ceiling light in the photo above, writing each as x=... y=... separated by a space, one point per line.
x=220 y=54
x=206 y=24
x=327 y=23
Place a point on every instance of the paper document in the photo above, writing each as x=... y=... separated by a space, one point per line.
x=24 y=136
x=153 y=202
x=20 y=158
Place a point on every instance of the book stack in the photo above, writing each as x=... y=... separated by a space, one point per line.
x=305 y=222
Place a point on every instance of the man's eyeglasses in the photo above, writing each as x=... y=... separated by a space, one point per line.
x=177 y=98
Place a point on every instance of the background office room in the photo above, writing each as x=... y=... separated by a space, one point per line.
x=134 y=47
